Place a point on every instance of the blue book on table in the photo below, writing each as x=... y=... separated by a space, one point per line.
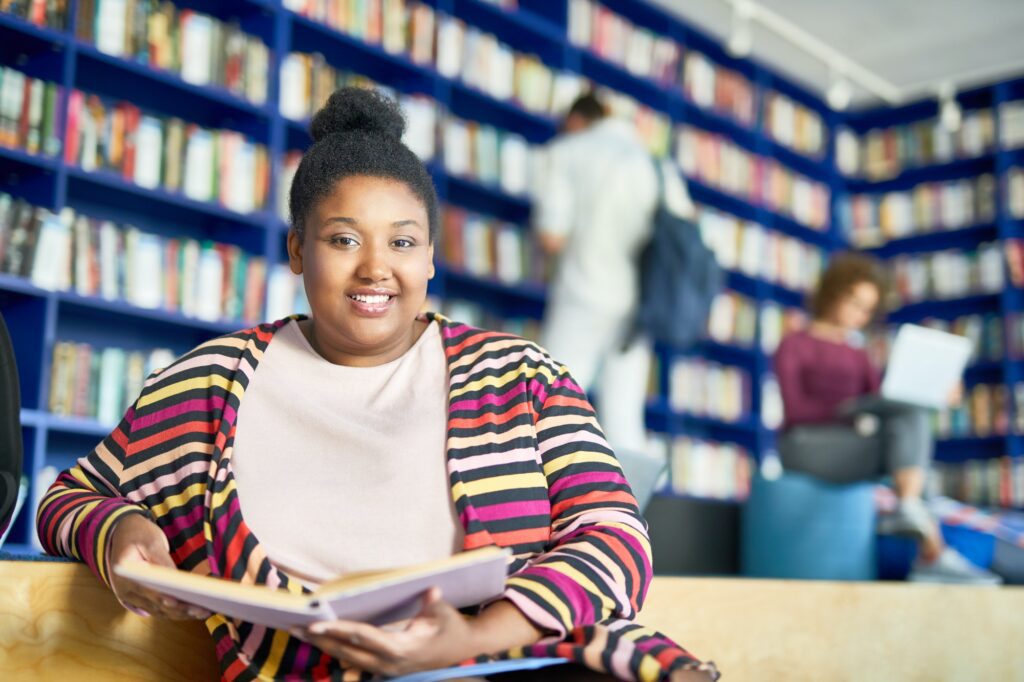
x=481 y=669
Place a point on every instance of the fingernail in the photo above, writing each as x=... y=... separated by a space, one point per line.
x=318 y=628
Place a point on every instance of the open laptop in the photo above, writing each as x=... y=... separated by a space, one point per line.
x=924 y=367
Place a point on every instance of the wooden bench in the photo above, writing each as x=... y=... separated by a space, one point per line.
x=59 y=623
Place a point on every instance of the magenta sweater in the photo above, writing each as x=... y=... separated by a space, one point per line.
x=816 y=375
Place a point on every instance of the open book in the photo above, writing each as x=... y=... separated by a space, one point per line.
x=465 y=579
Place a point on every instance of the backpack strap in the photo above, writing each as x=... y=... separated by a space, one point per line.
x=659 y=173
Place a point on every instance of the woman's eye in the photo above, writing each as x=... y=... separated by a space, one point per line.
x=342 y=241
x=403 y=243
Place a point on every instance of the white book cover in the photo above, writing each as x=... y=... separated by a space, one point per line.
x=294 y=87
x=188 y=274
x=89 y=140
x=149 y=144
x=51 y=268
x=509 y=247
x=450 y=36
x=210 y=285
x=580 y=12
x=197 y=46
x=147 y=270
x=199 y=156
x=111 y=26
x=35 y=116
x=83 y=257
x=241 y=194
x=476 y=245
x=457 y=147
x=421 y=126
x=110 y=260
x=13 y=94
x=281 y=292
x=110 y=392
x=515 y=164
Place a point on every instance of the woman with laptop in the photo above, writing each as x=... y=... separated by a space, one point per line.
x=828 y=382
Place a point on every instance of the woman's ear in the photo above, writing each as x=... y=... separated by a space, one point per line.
x=294 y=252
x=430 y=271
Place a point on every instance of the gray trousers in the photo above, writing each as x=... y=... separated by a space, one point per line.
x=839 y=454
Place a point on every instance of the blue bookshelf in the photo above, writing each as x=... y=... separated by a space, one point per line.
x=39 y=318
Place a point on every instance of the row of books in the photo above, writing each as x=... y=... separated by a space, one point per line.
x=714 y=160
x=713 y=86
x=982 y=482
x=793 y=125
x=943 y=275
x=476 y=315
x=883 y=153
x=200 y=48
x=704 y=468
x=985 y=332
x=44 y=13
x=776 y=321
x=612 y=37
x=772 y=409
x=708 y=389
x=1011 y=124
x=733 y=319
x=398 y=26
x=652 y=126
x=1014 y=192
x=91 y=257
x=99 y=383
x=872 y=219
x=487 y=154
x=985 y=411
x=29 y=113
x=747 y=247
x=481 y=61
x=490 y=249
x=151 y=151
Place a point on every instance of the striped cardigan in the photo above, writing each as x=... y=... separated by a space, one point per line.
x=528 y=466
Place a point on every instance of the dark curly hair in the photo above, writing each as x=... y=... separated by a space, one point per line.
x=844 y=271
x=358 y=132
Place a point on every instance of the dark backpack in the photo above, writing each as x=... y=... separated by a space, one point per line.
x=679 y=278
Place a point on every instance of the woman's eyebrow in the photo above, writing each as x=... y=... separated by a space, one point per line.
x=405 y=223
x=341 y=219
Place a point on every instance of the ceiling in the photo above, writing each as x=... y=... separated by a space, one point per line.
x=912 y=44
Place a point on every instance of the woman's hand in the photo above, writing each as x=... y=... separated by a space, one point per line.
x=137 y=538
x=439 y=636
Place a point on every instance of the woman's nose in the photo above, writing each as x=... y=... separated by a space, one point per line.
x=374 y=265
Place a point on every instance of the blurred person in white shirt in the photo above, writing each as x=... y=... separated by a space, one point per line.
x=595 y=197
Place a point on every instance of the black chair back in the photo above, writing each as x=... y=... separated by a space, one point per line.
x=10 y=429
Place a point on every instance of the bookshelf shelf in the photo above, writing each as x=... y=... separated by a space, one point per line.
x=797 y=161
x=909 y=177
x=947 y=309
x=714 y=122
x=468 y=102
x=126 y=73
x=32 y=418
x=703 y=193
x=13 y=158
x=172 y=319
x=107 y=187
x=525 y=292
x=20 y=36
x=10 y=283
x=477 y=196
x=608 y=73
x=79 y=426
x=519 y=28
x=937 y=240
x=970 y=447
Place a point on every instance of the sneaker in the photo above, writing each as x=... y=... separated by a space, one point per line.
x=951 y=568
x=911 y=519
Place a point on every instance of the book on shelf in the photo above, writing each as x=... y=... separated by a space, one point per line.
x=709 y=389
x=487 y=154
x=97 y=258
x=379 y=597
x=793 y=125
x=1014 y=192
x=489 y=248
x=749 y=248
x=716 y=88
x=948 y=274
x=285 y=293
x=29 y=113
x=1011 y=124
x=873 y=219
x=732 y=319
x=44 y=13
x=984 y=411
x=714 y=160
x=704 y=468
x=882 y=153
x=776 y=321
x=99 y=383
x=200 y=48
x=995 y=482
x=218 y=166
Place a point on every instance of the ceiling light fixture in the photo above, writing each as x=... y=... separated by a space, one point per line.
x=950 y=113
x=741 y=37
x=840 y=91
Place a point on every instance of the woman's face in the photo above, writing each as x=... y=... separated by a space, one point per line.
x=855 y=309
x=365 y=261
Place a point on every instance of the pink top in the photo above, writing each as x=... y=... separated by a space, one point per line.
x=816 y=376
x=353 y=476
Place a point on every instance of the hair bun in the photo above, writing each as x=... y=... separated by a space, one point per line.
x=352 y=109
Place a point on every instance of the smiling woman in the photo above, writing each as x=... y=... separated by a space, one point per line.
x=370 y=436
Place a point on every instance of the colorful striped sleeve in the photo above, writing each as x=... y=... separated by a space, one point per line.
x=79 y=511
x=599 y=564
